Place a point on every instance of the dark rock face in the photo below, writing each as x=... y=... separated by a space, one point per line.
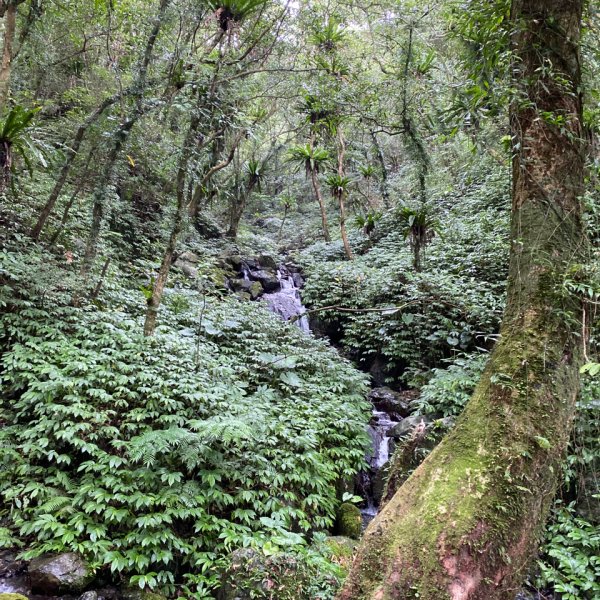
x=268 y=279
x=59 y=573
x=389 y=401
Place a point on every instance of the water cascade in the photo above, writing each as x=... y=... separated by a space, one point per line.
x=286 y=302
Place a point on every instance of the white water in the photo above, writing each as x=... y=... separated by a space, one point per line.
x=378 y=429
x=286 y=302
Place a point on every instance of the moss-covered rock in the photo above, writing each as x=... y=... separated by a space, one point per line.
x=252 y=575
x=348 y=522
x=13 y=597
x=137 y=594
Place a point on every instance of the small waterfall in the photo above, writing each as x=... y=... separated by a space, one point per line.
x=286 y=302
x=381 y=423
x=370 y=483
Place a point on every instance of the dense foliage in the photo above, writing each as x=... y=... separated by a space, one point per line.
x=368 y=145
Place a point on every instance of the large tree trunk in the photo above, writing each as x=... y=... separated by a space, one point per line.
x=466 y=523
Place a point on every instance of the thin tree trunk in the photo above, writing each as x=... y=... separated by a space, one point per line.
x=64 y=173
x=467 y=522
x=341 y=158
x=178 y=223
x=385 y=193
x=343 y=231
x=319 y=196
x=69 y=204
x=119 y=138
x=10 y=29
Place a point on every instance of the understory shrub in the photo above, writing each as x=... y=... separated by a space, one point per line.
x=155 y=458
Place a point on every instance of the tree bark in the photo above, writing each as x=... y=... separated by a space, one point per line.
x=317 y=188
x=119 y=138
x=467 y=522
x=385 y=193
x=64 y=172
x=10 y=29
x=178 y=224
x=342 y=194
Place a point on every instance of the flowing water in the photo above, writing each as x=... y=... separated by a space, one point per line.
x=287 y=302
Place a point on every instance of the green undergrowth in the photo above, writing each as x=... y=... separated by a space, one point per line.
x=155 y=458
x=413 y=321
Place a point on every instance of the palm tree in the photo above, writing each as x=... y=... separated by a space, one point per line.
x=338 y=186
x=14 y=140
x=420 y=226
x=312 y=159
x=232 y=12
x=255 y=170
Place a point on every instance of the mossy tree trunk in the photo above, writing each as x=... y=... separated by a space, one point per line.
x=466 y=523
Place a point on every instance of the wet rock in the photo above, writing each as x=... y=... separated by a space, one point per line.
x=59 y=573
x=378 y=483
x=406 y=426
x=348 y=522
x=389 y=401
x=235 y=260
x=9 y=564
x=268 y=262
x=268 y=279
x=91 y=595
x=15 y=585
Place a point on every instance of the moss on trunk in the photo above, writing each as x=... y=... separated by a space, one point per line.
x=466 y=523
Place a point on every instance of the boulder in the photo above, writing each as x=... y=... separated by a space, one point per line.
x=207 y=227
x=187 y=269
x=268 y=262
x=408 y=425
x=253 y=575
x=188 y=257
x=268 y=279
x=348 y=522
x=59 y=573
x=91 y=595
x=253 y=288
x=389 y=401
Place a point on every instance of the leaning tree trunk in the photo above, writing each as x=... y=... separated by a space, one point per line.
x=467 y=522
x=102 y=191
